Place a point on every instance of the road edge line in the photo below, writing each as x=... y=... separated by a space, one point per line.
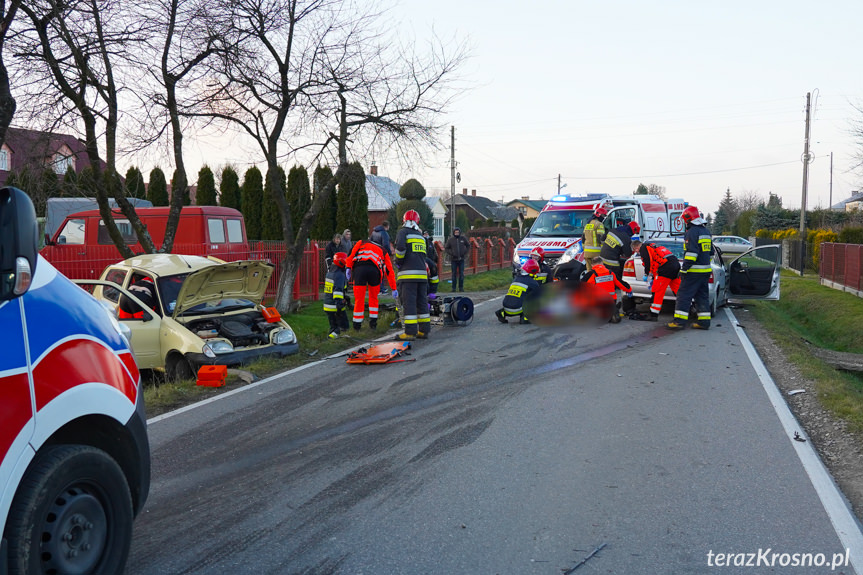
x=838 y=509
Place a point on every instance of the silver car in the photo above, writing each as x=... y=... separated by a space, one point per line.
x=732 y=244
x=752 y=275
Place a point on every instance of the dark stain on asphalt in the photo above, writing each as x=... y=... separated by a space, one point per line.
x=455 y=439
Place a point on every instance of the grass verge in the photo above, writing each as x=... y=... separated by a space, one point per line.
x=311 y=326
x=828 y=318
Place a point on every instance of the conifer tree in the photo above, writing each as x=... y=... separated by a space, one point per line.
x=412 y=193
x=69 y=186
x=353 y=203
x=229 y=188
x=325 y=224
x=271 y=219
x=206 y=193
x=251 y=194
x=135 y=187
x=157 y=191
x=299 y=194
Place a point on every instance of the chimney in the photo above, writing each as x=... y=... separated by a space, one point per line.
x=374 y=169
x=464 y=191
x=473 y=193
x=525 y=198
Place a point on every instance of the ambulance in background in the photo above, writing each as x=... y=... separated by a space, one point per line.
x=74 y=453
x=560 y=225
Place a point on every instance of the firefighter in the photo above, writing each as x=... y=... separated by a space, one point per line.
x=616 y=248
x=522 y=289
x=696 y=270
x=544 y=273
x=607 y=285
x=367 y=265
x=412 y=278
x=661 y=270
x=594 y=236
x=335 y=301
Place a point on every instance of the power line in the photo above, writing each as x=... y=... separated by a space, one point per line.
x=683 y=173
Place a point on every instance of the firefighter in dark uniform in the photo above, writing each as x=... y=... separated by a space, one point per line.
x=335 y=301
x=523 y=288
x=412 y=278
x=661 y=271
x=696 y=269
x=544 y=274
x=616 y=248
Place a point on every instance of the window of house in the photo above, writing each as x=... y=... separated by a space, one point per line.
x=72 y=233
x=4 y=160
x=217 y=230
x=62 y=163
x=235 y=231
x=438 y=227
x=129 y=235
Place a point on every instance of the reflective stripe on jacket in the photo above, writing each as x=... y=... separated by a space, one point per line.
x=411 y=255
x=698 y=244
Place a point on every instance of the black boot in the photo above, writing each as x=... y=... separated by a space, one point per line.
x=500 y=316
x=373 y=323
x=358 y=325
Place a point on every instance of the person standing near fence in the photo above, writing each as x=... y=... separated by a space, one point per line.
x=457 y=247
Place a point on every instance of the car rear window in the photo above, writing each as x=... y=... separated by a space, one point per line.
x=675 y=247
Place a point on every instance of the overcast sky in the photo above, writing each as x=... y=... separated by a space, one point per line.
x=694 y=96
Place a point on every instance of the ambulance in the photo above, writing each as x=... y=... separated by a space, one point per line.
x=559 y=227
x=74 y=453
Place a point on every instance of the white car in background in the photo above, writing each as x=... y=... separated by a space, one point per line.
x=752 y=275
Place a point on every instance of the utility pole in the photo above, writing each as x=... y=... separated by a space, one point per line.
x=806 y=160
x=452 y=183
x=558 y=183
x=830 y=205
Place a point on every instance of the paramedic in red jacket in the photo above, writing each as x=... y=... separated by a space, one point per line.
x=661 y=270
x=369 y=263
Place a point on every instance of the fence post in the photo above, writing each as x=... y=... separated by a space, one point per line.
x=474 y=255
x=488 y=255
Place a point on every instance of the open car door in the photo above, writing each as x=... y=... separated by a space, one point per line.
x=755 y=274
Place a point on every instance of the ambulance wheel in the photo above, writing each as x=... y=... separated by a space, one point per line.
x=72 y=514
x=178 y=368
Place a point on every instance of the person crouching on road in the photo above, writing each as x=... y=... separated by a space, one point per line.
x=544 y=273
x=661 y=270
x=335 y=300
x=696 y=270
x=607 y=284
x=412 y=278
x=522 y=289
x=368 y=264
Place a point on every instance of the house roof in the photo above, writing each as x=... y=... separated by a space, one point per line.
x=532 y=204
x=32 y=147
x=858 y=197
x=382 y=191
x=487 y=208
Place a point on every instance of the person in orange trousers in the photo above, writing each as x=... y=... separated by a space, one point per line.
x=662 y=271
x=369 y=264
x=607 y=284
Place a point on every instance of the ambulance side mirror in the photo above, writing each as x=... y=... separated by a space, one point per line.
x=19 y=241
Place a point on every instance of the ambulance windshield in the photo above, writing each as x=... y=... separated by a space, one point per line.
x=560 y=223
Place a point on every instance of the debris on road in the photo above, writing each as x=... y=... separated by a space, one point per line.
x=798 y=437
x=585 y=560
x=796 y=391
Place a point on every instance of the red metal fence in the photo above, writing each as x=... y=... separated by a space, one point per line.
x=77 y=265
x=842 y=264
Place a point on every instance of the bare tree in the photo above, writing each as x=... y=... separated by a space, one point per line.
x=348 y=82
x=190 y=36
x=7 y=101
x=72 y=53
x=748 y=200
x=657 y=190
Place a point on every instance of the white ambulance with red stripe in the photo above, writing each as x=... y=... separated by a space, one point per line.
x=560 y=225
x=74 y=454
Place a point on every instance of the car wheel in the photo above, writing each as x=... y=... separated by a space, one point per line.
x=72 y=514
x=179 y=368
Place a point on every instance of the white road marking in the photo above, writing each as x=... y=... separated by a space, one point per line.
x=844 y=522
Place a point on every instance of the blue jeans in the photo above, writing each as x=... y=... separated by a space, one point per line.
x=457 y=274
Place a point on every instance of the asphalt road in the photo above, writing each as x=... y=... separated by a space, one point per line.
x=510 y=449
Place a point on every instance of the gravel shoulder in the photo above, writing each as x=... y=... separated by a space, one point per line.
x=840 y=450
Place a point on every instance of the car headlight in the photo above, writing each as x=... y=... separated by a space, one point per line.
x=214 y=348
x=283 y=336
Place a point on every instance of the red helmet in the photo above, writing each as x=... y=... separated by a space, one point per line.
x=689 y=214
x=411 y=215
x=538 y=251
x=600 y=212
x=636 y=229
x=340 y=259
x=530 y=267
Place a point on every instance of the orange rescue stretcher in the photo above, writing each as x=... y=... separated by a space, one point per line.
x=381 y=353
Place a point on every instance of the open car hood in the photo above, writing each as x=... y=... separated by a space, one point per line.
x=242 y=280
